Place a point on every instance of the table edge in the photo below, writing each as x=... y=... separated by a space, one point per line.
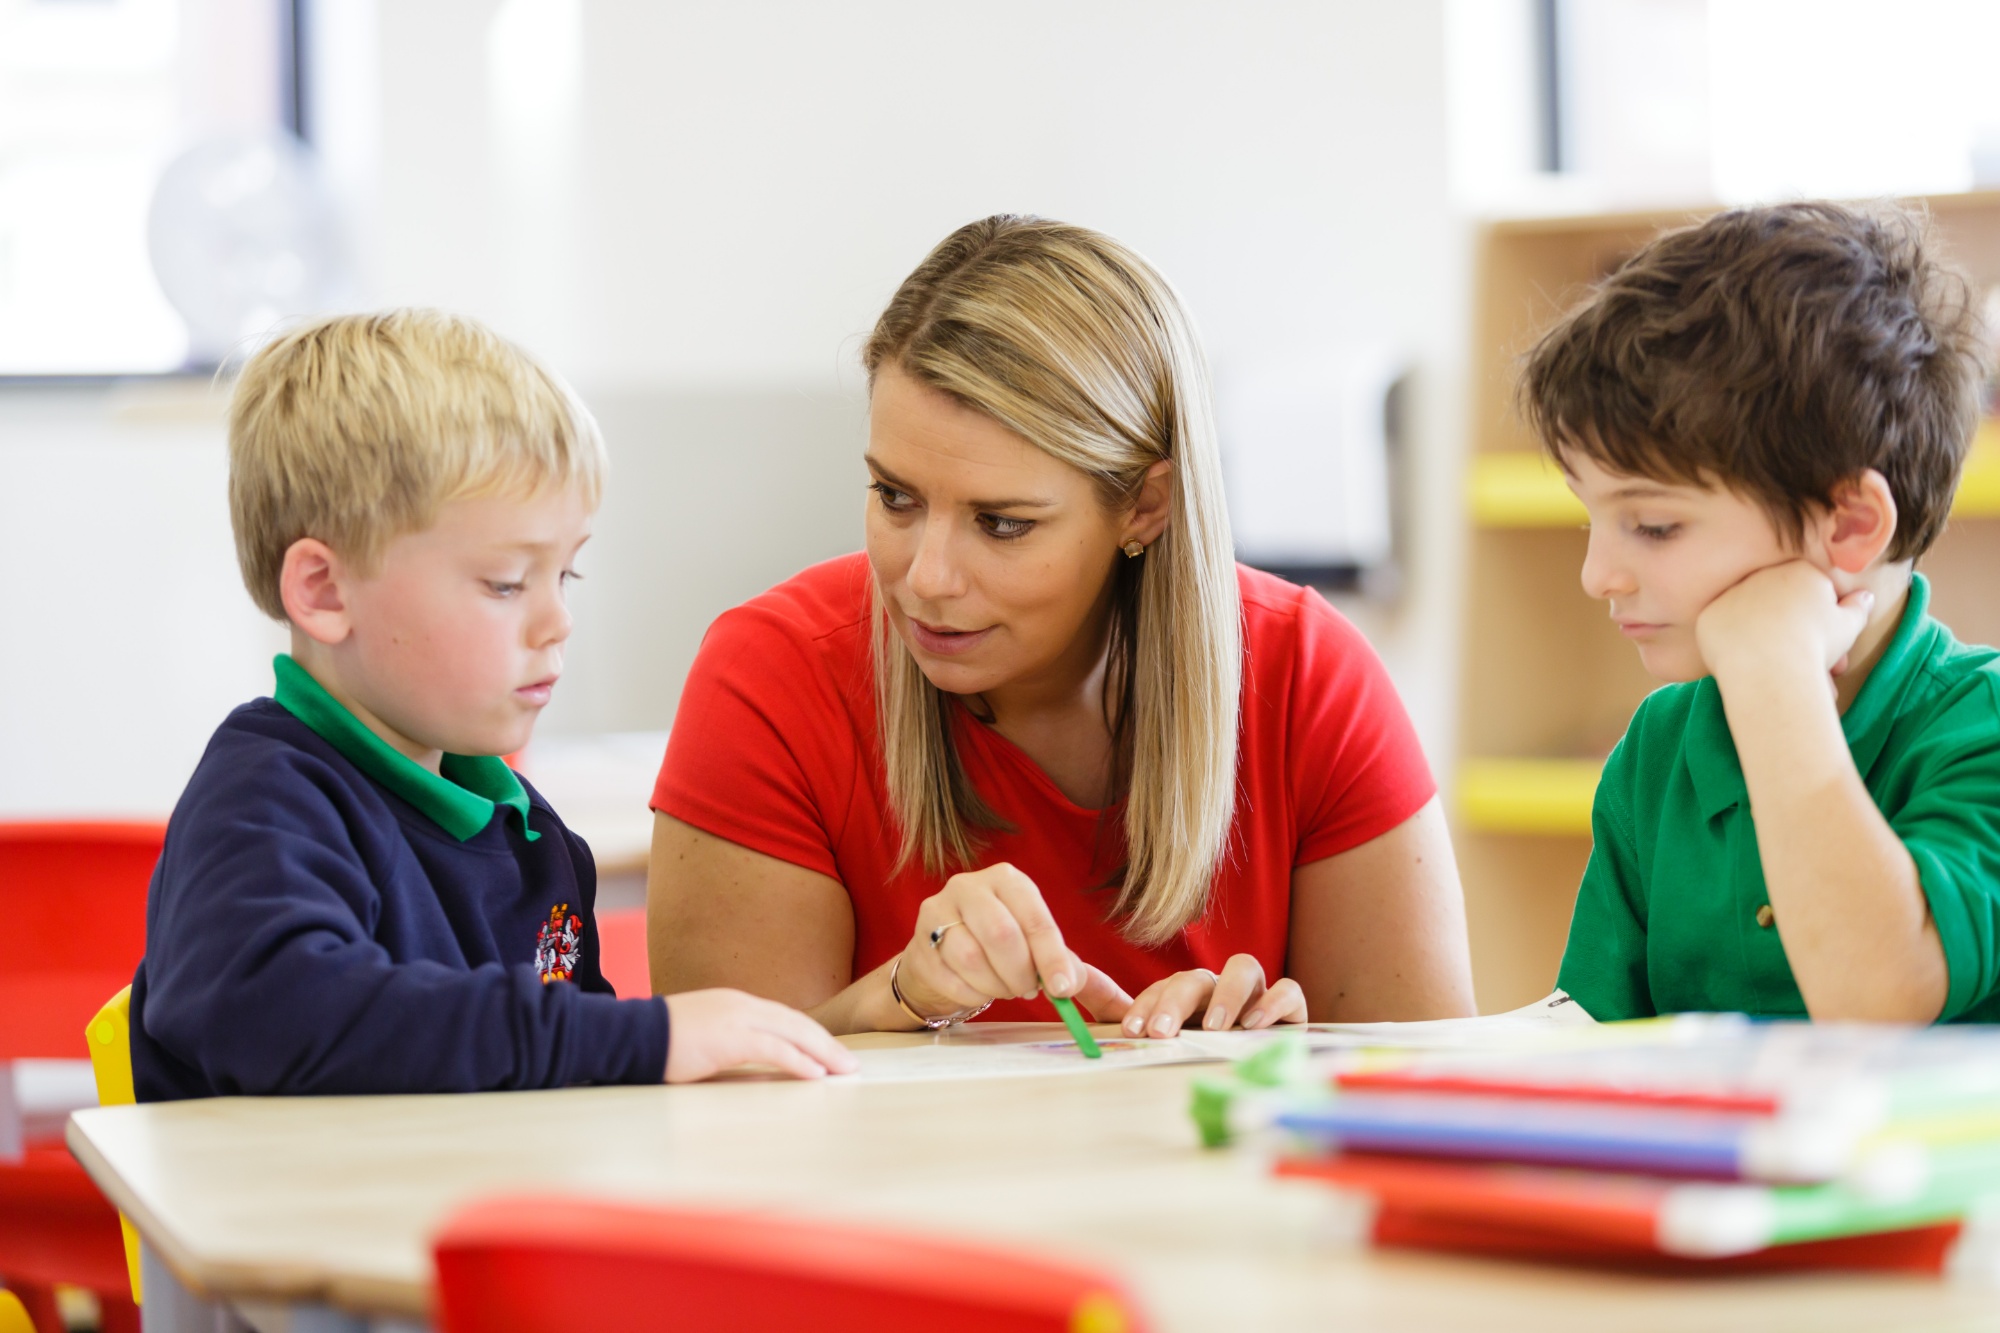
x=233 y=1281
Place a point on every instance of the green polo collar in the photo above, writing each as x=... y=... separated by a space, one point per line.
x=1711 y=751
x=461 y=801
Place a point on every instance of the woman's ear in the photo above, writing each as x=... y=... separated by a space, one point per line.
x=309 y=584
x=1861 y=523
x=1155 y=505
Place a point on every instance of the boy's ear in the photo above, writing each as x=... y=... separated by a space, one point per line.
x=309 y=584
x=1861 y=523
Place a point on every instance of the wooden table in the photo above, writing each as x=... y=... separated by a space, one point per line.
x=330 y=1201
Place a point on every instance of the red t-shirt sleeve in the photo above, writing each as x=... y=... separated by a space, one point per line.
x=755 y=754
x=1357 y=768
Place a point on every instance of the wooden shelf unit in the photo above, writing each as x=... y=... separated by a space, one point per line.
x=1525 y=490
x=1548 y=685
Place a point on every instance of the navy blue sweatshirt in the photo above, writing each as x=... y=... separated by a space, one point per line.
x=310 y=930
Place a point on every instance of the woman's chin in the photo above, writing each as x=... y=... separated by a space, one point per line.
x=954 y=677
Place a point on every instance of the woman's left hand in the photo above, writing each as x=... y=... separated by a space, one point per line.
x=1239 y=995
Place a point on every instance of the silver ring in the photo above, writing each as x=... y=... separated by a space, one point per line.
x=938 y=934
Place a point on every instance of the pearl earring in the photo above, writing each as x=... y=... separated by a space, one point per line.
x=1133 y=548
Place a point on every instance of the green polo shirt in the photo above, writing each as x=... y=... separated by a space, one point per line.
x=461 y=800
x=1667 y=919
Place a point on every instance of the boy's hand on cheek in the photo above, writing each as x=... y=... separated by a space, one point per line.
x=1783 y=619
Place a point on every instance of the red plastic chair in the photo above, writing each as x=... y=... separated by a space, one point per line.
x=557 y=1265
x=621 y=946
x=77 y=892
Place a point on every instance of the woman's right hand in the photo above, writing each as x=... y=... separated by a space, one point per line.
x=987 y=935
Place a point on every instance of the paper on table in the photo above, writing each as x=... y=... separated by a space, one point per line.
x=1555 y=1017
x=997 y=1050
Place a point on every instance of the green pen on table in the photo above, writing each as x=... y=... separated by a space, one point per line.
x=1079 y=1029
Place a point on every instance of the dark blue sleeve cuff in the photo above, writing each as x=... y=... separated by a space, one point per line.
x=625 y=1041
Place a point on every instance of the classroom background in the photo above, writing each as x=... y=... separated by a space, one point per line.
x=695 y=211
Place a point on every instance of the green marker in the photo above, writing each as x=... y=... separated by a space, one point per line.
x=1072 y=1020
x=1244 y=1098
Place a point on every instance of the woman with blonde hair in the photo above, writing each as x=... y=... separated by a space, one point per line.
x=1045 y=734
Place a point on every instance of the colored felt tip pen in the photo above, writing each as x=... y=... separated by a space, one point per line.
x=1077 y=1027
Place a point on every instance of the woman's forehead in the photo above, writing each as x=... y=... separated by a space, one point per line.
x=929 y=440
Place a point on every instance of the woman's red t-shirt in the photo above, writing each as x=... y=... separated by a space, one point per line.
x=775 y=749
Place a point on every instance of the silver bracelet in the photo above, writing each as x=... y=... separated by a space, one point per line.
x=938 y=1023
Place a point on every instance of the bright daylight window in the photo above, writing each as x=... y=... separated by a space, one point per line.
x=141 y=141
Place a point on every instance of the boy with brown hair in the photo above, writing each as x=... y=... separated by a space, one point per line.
x=1765 y=416
x=356 y=894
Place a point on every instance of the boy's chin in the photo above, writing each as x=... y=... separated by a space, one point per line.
x=500 y=741
x=1670 y=667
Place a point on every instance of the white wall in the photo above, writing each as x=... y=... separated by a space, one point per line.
x=749 y=182
x=125 y=635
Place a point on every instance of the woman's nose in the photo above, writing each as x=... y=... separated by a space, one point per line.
x=933 y=572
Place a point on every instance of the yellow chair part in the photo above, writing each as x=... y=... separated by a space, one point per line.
x=110 y=1038
x=14 y=1315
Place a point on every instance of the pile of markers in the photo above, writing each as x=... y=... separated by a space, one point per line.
x=1703 y=1142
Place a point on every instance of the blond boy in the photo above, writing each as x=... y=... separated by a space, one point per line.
x=357 y=895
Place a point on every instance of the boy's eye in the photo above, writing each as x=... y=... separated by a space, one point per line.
x=499 y=589
x=568 y=575
x=1006 y=529
x=1656 y=532
x=892 y=499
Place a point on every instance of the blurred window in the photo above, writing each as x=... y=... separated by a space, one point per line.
x=96 y=97
x=1600 y=105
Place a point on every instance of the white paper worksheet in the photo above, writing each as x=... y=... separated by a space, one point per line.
x=999 y=1050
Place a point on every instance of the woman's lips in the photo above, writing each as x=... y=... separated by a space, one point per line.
x=947 y=642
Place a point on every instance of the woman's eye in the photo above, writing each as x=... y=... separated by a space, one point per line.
x=891 y=497
x=998 y=525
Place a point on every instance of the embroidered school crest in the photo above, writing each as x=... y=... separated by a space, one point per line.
x=557 y=945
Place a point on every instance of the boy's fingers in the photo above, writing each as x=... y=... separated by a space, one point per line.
x=817 y=1043
x=1241 y=982
x=767 y=1048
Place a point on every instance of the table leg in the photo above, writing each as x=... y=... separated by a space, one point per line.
x=172 y=1308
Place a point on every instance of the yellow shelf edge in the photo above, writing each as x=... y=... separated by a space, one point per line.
x=1527 y=796
x=1979 y=485
x=1520 y=489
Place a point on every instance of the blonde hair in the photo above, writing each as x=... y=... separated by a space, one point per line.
x=1077 y=344
x=354 y=429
